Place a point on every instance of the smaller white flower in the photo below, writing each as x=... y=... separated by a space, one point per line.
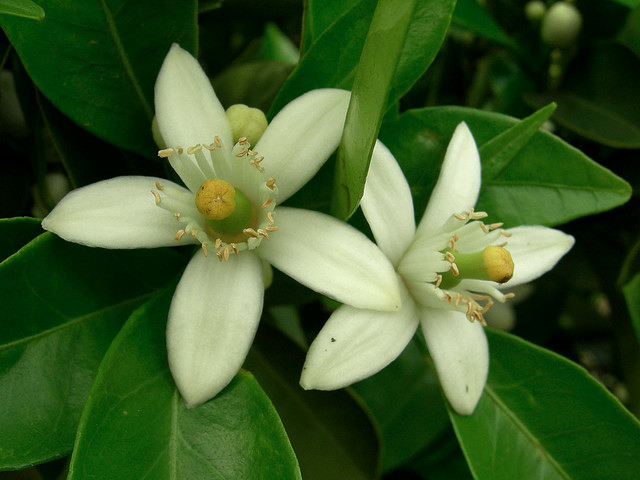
x=450 y=270
x=229 y=209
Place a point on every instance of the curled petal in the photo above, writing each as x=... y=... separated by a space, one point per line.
x=460 y=353
x=187 y=109
x=535 y=250
x=458 y=184
x=356 y=343
x=332 y=258
x=213 y=318
x=387 y=204
x=302 y=136
x=116 y=213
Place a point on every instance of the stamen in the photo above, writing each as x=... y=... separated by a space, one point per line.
x=484 y=228
x=159 y=187
x=211 y=147
x=242 y=140
x=157 y=197
x=166 y=152
x=226 y=254
x=217 y=141
x=255 y=162
x=253 y=153
x=454 y=270
x=270 y=217
x=505 y=233
x=250 y=232
x=509 y=295
x=267 y=202
x=219 y=255
x=194 y=233
x=458 y=299
x=263 y=233
x=204 y=249
x=271 y=183
x=449 y=256
x=449 y=297
x=194 y=149
x=438 y=280
x=271 y=228
x=493 y=226
x=460 y=217
x=177 y=215
x=179 y=150
x=218 y=243
x=477 y=215
x=234 y=247
x=242 y=153
x=179 y=235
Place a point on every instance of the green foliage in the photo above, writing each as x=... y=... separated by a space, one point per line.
x=22 y=8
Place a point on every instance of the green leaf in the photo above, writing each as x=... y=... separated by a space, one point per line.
x=135 y=424
x=548 y=183
x=600 y=98
x=63 y=305
x=380 y=56
x=22 y=8
x=631 y=292
x=319 y=15
x=469 y=14
x=87 y=58
x=541 y=416
x=406 y=402
x=341 y=43
x=15 y=233
x=330 y=433
x=498 y=152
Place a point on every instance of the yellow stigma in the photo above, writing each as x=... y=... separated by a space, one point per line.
x=498 y=263
x=216 y=199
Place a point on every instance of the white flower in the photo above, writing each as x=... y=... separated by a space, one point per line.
x=229 y=208
x=444 y=279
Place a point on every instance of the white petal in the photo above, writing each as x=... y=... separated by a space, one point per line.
x=460 y=353
x=116 y=213
x=357 y=343
x=535 y=250
x=213 y=318
x=387 y=204
x=332 y=258
x=301 y=137
x=187 y=109
x=458 y=184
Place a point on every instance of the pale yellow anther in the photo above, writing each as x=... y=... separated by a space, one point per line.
x=454 y=270
x=156 y=195
x=179 y=150
x=263 y=233
x=179 y=235
x=216 y=199
x=159 y=187
x=266 y=203
x=204 y=250
x=271 y=228
x=271 y=183
x=194 y=149
x=498 y=263
x=460 y=217
x=438 y=280
x=217 y=142
x=166 y=152
x=449 y=256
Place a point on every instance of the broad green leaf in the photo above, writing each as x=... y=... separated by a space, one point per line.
x=632 y=296
x=541 y=416
x=340 y=46
x=329 y=431
x=136 y=426
x=600 y=98
x=548 y=183
x=629 y=35
x=380 y=56
x=86 y=158
x=21 y=8
x=277 y=46
x=469 y=14
x=406 y=402
x=63 y=304
x=498 y=152
x=319 y=15
x=15 y=233
x=88 y=60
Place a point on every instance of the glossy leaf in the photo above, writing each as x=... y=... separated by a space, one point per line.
x=332 y=47
x=541 y=416
x=21 y=8
x=15 y=233
x=406 y=402
x=380 y=56
x=319 y=15
x=329 y=431
x=469 y=14
x=64 y=303
x=599 y=98
x=87 y=58
x=136 y=426
x=632 y=296
x=548 y=183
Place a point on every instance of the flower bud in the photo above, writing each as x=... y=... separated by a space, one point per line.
x=561 y=25
x=246 y=122
x=535 y=10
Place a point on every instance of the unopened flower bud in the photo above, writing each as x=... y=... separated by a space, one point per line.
x=561 y=25
x=246 y=122
x=535 y=10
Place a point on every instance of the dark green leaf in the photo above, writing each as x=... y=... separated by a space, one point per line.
x=15 y=233
x=87 y=58
x=136 y=426
x=548 y=183
x=319 y=15
x=498 y=152
x=342 y=52
x=600 y=98
x=63 y=305
x=380 y=55
x=543 y=417
x=330 y=433
x=406 y=402
x=21 y=8
x=632 y=295
x=469 y=14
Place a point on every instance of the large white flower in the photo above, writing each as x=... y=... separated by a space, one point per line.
x=450 y=269
x=229 y=208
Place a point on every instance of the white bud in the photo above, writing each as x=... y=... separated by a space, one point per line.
x=535 y=9
x=561 y=25
x=246 y=122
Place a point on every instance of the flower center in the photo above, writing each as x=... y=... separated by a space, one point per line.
x=493 y=263
x=226 y=209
